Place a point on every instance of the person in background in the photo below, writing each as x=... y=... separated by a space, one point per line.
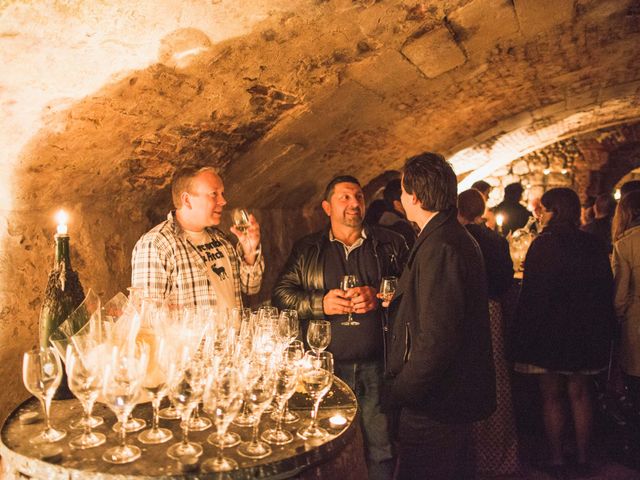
x=310 y=282
x=535 y=206
x=629 y=186
x=488 y=217
x=440 y=368
x=186 y=260
x=603 y=209
x=394 y=217
x=564 y=322
x=375 y=210
x=626 y=258
x=514 y=213
x=495 y=439
x=586 y=211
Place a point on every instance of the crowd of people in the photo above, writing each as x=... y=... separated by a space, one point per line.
x=431 y=368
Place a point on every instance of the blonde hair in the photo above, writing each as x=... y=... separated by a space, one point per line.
x=627 y=211
x=182 y=181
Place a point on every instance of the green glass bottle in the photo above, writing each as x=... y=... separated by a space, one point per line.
x=63 y=295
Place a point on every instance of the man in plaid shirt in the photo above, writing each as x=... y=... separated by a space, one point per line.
x=187 y=261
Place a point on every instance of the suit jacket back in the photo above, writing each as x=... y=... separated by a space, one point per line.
x=440 y=357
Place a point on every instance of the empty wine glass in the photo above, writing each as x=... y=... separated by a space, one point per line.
x=84 y=373
x=240 y=218
x=42 y=373
x=317 y=376
x=349 y=281
x=319 y=335
x=222 y=399
x=289 y=325
x=155 y=383
x=121 y=389
x=388 y=287
x=286 y=382
x=259 y=396
x=296 y=349
x=186 y=390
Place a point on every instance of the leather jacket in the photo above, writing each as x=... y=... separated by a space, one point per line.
x=300 y=285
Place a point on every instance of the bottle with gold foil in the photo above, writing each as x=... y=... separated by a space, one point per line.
x=63 y=295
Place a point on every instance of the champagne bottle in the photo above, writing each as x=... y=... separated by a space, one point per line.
x=63 y=295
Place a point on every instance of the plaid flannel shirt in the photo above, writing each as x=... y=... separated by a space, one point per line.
x=167 y=266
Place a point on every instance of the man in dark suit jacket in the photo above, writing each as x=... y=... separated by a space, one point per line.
x=440 y=369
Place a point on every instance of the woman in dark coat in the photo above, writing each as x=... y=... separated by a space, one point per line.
x=495 y=439
x=564 y=320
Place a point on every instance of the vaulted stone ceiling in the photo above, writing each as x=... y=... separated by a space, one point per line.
x=102 y=100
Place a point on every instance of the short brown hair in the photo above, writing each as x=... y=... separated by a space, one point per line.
x=470 y=204
x=182 y=181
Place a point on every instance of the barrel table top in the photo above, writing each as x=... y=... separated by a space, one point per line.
x=20 y=457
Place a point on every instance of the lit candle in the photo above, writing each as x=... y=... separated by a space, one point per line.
x=62 y=218
x=499 y=222
x=337 y=420
x=617 y=194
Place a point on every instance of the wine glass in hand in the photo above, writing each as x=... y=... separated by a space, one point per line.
x=42 y=373
x=388 y=287
x=349 y=281
x=319 y=335
x=240 y=218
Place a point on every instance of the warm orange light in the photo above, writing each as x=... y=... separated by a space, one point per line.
x=499 y=219
x=62 y=218
x=338 y=420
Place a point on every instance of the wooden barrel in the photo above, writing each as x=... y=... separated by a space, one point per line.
x=340 y=455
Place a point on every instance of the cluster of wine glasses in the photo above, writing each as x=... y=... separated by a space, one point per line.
x=235 y=366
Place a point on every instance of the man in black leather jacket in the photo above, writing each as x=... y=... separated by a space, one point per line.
x=310 y=284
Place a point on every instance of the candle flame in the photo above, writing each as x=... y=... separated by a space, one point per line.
x=62 y=218
x=499 y=219
x=617 y=195
x=338 y=420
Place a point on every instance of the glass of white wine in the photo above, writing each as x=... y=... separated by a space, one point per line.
x=349 y=281
x=388 y=286
x=42 y=373
x=240 y=218
x=317 y=377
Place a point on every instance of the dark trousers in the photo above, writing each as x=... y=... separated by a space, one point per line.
x=633 y=387
x=430 y=450
x=365 y=379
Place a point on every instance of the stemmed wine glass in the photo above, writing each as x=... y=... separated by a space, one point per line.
x=222 y=399
x=319 y=335
x=121 y=389
x=84 y=373
x=295 y=349
x=240 y=218
x=349 y=281
x=388 y=286
x=42 y=373
x=156 y=384
x=186 y=390
x=259 y=397
x=289 y=325
x=317 y=377
x=286 y=381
